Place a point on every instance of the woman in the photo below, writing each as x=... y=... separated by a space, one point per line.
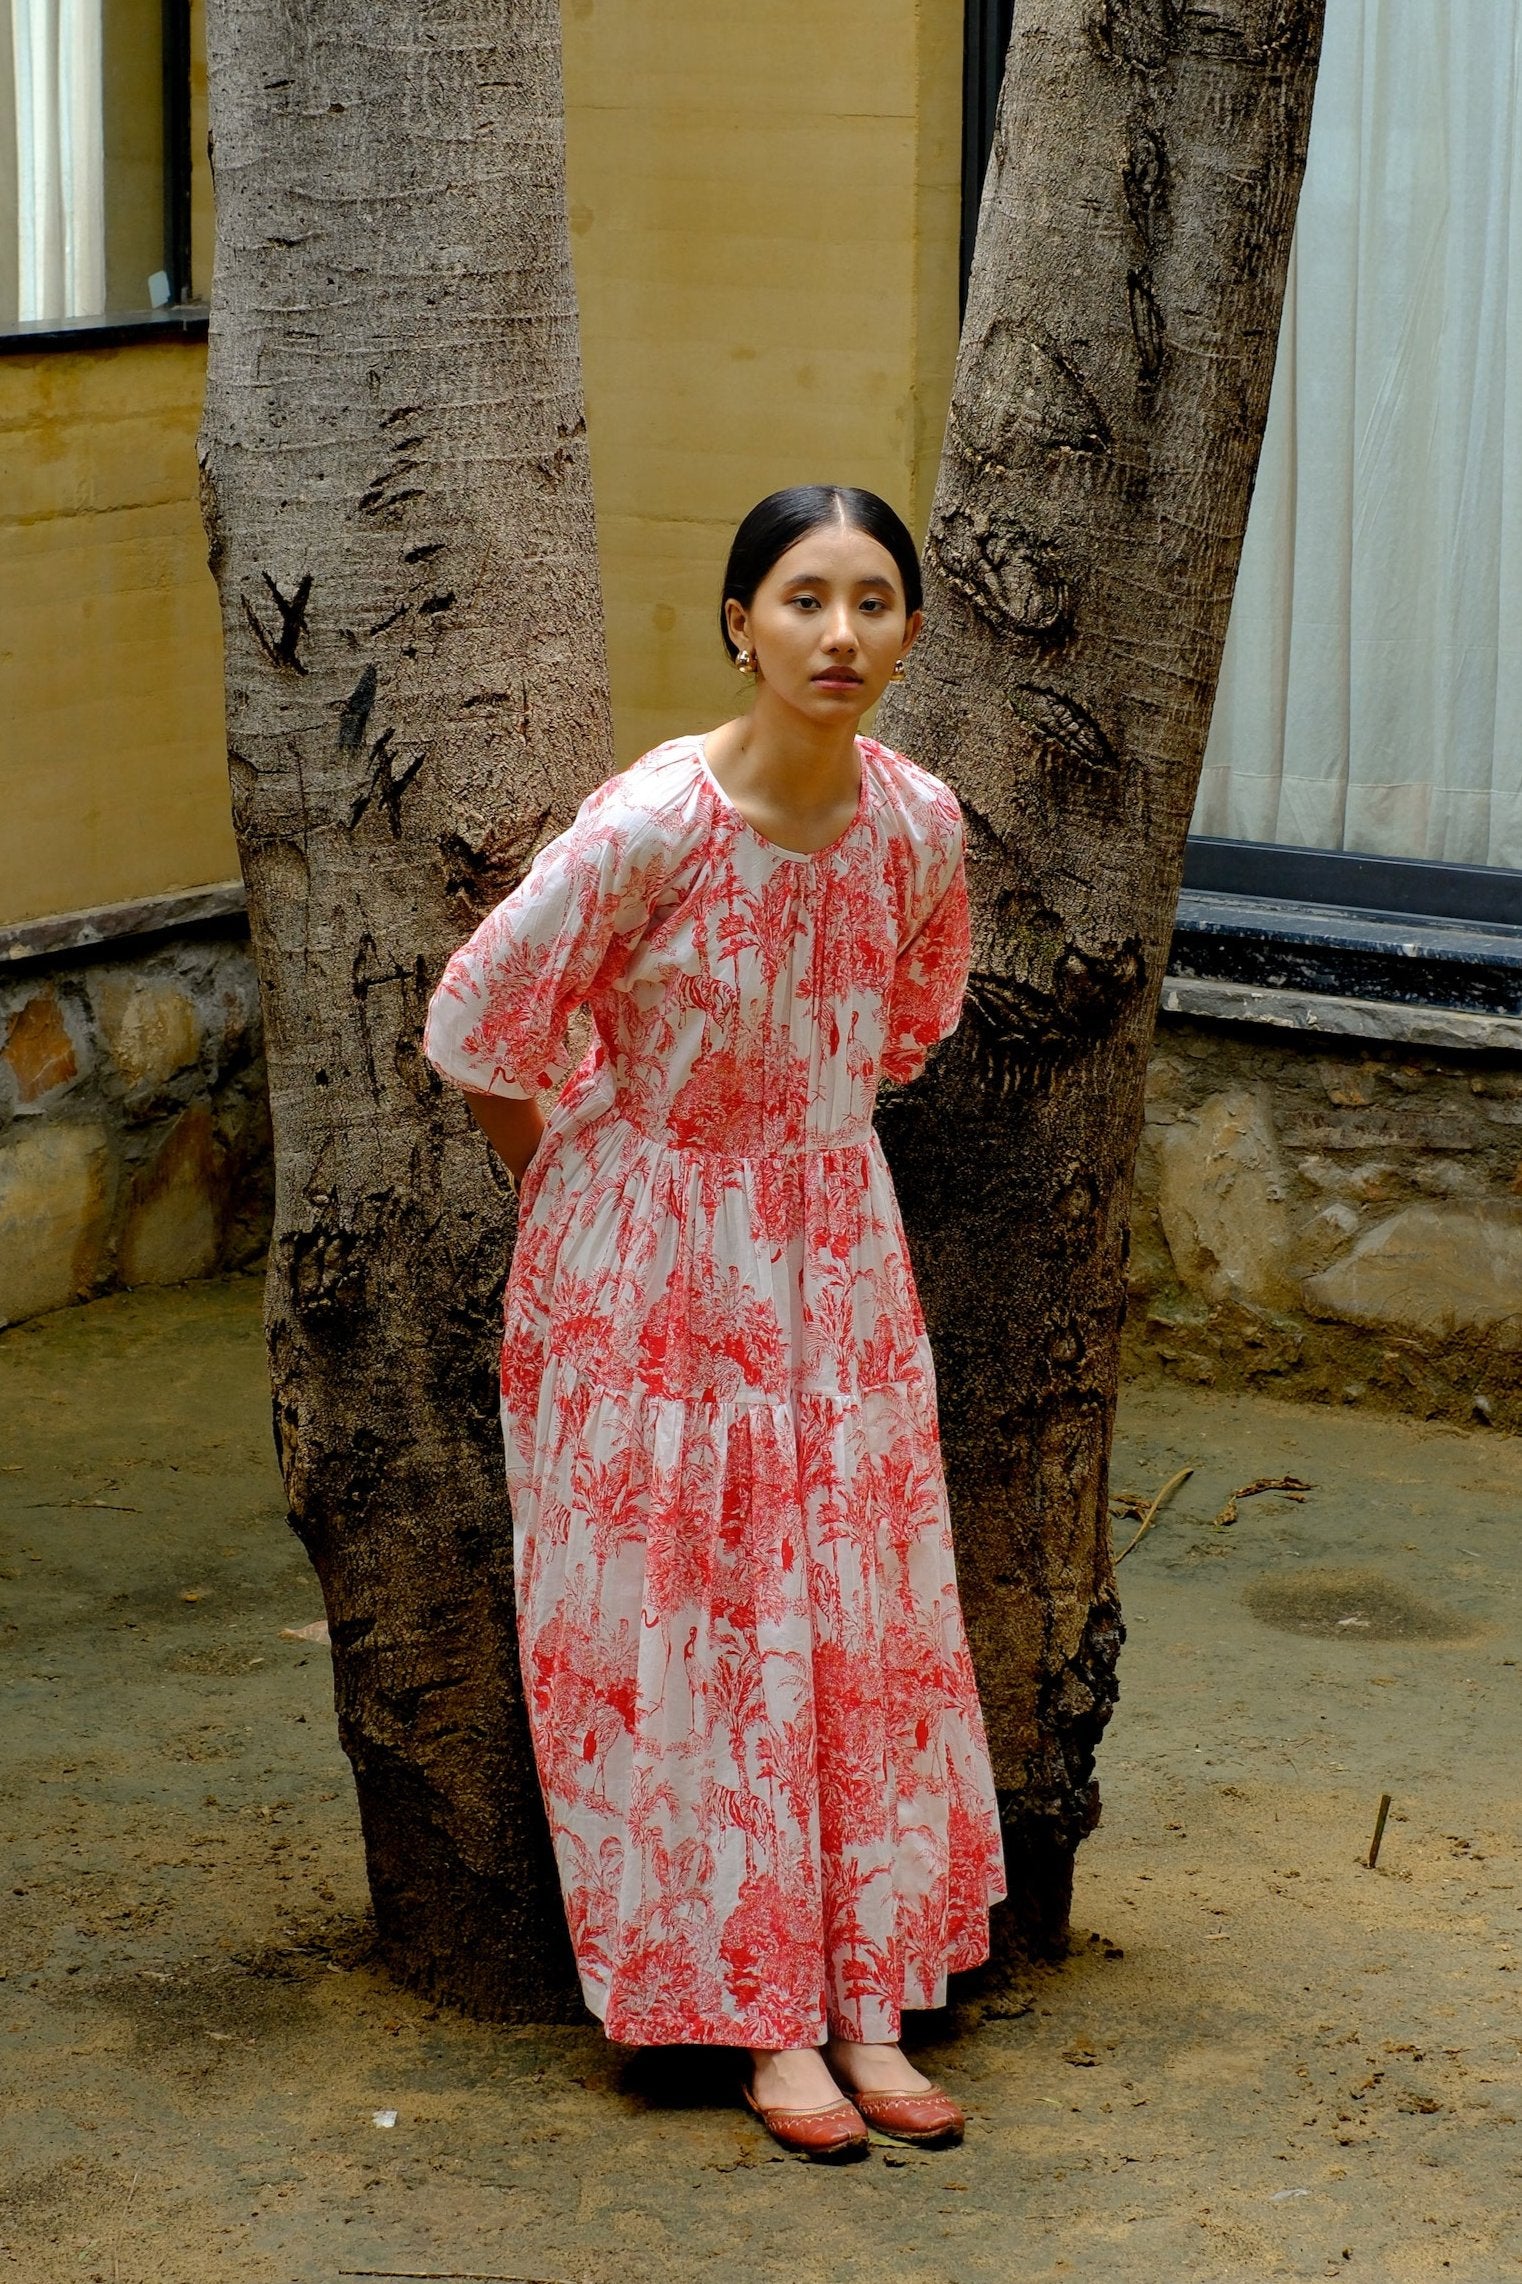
x=752 y=1704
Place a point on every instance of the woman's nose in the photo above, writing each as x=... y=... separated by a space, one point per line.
x=839 y=633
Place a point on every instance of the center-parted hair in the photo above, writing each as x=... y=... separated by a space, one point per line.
x=783 y=518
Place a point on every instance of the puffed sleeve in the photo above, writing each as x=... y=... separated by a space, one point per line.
x=497 y=1022
x=930 y=975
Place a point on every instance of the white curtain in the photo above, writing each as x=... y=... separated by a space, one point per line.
x=60 y=158
x=1371 y=696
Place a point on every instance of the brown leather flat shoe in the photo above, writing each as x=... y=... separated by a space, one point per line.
x=930 y=2119
x=831 y=2135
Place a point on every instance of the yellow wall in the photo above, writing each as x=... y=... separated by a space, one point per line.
x=764 y=212
x=764 y=215
x=112 y=783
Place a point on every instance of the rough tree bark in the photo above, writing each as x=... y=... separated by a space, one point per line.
x=399 y=510
x=1106 y=418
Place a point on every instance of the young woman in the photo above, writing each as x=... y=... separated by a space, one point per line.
x=752 y=1703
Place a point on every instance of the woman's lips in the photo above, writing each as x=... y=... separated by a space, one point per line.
x=838 y=681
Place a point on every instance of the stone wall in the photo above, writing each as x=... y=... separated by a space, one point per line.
x=134 y=1130
x=1335 y=1220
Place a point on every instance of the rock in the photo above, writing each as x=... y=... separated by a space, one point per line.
x=55 y=1199
x=1444 y=1177
x=1166 y=1079
x=38 y=1047
x=1374 y=1179
x=173 y=1225
x=150 y=1026
x=1321 y=1238
x=1428 y=1269
x=1221 y=1200
x=1350 y=1088
x=1148 y=1264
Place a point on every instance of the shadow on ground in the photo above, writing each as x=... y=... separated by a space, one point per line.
x=1261 y=2061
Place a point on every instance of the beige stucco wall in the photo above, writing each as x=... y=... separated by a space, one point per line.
x=112 y=782
x=764 y=214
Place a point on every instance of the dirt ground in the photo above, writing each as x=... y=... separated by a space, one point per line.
x=1262 y=2060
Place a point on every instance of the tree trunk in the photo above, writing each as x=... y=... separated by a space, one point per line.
x=1106 y=418
x=399 y=508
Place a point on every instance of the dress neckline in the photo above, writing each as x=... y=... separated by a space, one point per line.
x=780 y=848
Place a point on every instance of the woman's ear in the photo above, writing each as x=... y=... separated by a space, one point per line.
x=737 y=619
x=912 y=626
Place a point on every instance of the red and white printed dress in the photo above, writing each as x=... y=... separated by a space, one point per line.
x=752 y=1703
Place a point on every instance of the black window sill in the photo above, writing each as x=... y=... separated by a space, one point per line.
x=188 y=322
x=1338 y=952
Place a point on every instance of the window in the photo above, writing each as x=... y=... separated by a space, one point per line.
x=1366 y=749
x=94 y=160
x=985 y=43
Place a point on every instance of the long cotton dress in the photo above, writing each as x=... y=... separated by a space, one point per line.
x=751 y=1698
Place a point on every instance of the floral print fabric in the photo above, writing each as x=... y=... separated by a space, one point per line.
x=750 y=1692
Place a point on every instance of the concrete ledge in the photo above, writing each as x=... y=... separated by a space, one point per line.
x=59 y=932
x=1395 y=1020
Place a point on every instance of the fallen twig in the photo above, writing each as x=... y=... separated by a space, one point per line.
x=120 y=2225
x=1150 y=1517
x=1290 y=1483
x=111 y=1506
x=1379 y=1829
x=449 y=2275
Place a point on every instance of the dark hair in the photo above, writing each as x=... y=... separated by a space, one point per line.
x=783 y=518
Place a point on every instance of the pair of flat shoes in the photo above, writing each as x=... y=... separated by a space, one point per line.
x=836 y=2132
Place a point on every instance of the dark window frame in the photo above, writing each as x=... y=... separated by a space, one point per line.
x=1282 y=878
x=985 y=43
x=181 y=318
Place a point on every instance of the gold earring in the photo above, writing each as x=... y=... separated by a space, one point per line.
x=746 y=661
x=898 y=670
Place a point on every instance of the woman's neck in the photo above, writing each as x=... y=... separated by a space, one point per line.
x=797 y=782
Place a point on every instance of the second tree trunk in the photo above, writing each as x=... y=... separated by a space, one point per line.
x=1108 y=409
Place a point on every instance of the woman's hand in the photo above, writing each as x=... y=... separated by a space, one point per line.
x=514 y=1129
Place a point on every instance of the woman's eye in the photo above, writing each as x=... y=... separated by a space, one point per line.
x=806 y=602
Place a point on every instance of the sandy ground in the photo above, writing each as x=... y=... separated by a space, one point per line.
x=1262 y=2060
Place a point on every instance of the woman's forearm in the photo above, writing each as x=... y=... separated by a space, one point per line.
x=512 y=1128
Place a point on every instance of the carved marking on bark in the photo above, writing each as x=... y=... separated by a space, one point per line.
x=281 y=649
x=389 y=780
x=1292 y=23
x=1141 y=34
x=1147 y=327
x=1022 y=1028
x=1145 y=175
x=479 y=874
x=1284 y=27
x=1009 y=576
x=326 y=1269
x=1060 y=721
x=1026 y=383
x=355 y=718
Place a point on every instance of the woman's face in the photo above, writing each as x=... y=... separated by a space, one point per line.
x=827 y=624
